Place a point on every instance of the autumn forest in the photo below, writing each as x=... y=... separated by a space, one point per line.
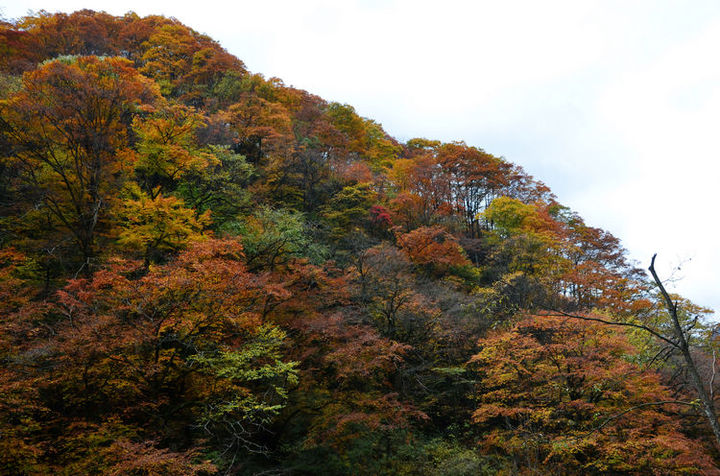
x=205 y=271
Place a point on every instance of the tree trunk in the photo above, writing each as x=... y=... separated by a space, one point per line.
x=682 y=344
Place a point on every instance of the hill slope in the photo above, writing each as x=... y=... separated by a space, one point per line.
x=208 y=271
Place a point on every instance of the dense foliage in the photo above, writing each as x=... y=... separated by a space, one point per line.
x=204 y=271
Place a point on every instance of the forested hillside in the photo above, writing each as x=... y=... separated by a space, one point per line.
x=204 y=271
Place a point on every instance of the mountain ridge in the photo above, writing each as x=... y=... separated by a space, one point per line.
x=208 y=271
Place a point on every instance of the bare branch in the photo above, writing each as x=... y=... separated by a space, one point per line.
x=672 y=306
x=712 y=378
x=692 y=325
x=636 y=407
x=615 y=323
x=667 y=351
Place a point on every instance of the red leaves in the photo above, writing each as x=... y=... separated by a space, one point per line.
x=358 y=352
x=204 y=296
x=129 y=341
x=433 y=248
x=380 y=217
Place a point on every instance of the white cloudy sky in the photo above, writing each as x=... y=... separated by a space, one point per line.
x=614 y=104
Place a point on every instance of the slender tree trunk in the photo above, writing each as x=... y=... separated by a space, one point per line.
x=682 y=344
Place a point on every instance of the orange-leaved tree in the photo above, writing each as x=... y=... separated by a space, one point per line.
x=67 y=126
x=560 y=395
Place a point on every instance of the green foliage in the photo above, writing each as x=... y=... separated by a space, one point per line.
x=9 y=84
x=510 y=216
x=166 y=149
x=349 y=209
x=230 y=87
x=447 y=457
x=220 y=187
x=258 y=362
x=271 y=237
x=409 y=455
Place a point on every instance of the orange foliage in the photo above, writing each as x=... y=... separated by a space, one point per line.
x=68 y=122
x=553 y=394
x=327 y=348
x=433 y=248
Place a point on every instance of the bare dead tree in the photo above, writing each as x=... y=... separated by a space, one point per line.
x=677 y=342
x=680 y=342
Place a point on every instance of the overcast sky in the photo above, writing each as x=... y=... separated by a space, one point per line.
x=614 y=104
